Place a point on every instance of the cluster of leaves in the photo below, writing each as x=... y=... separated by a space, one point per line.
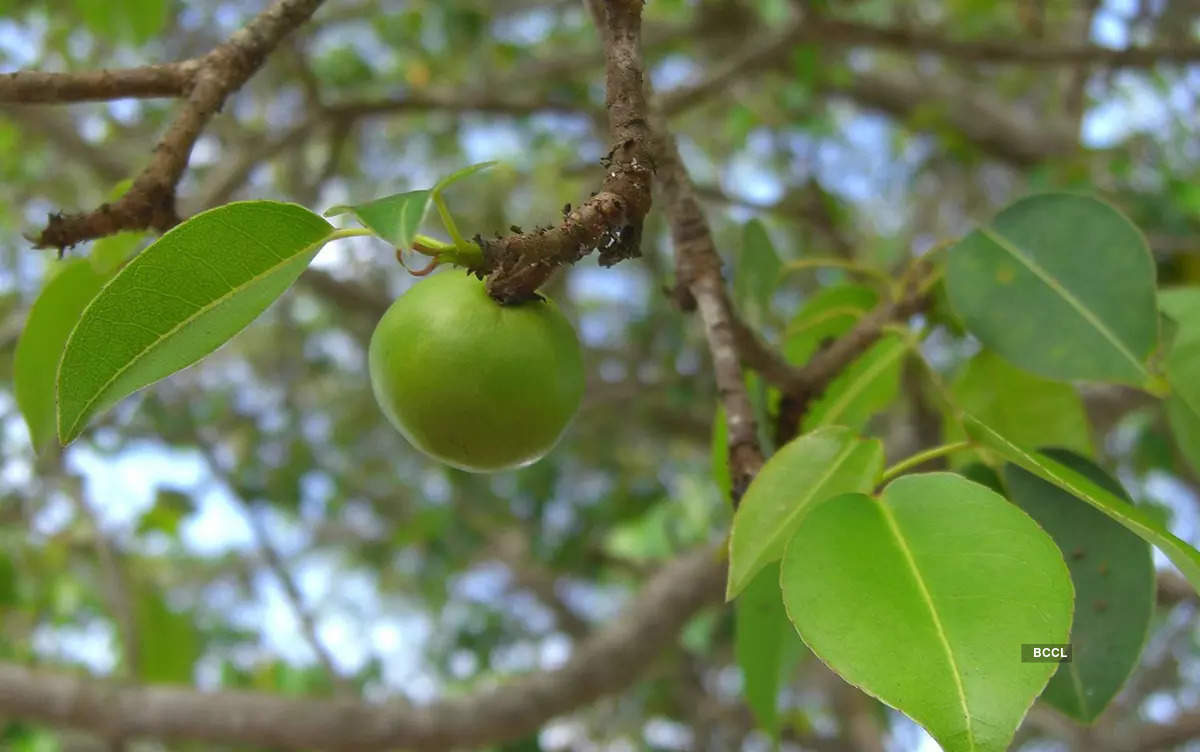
x=923 y=592
x=101 y=329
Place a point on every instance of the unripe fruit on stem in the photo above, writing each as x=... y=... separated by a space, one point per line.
x=472 y=383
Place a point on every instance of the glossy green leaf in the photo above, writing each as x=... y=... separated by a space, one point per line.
x=1145 y=525
x=394 y=218
x=806 y=470
x=35 y=363
x=180 y=299
x=757 y=272
x=765 y=645
x=1020 y=405
x=923 y=597
x=1113 y=574
x=869 y=384
x=167 y=642
x=828 y=314
x=1061 y=285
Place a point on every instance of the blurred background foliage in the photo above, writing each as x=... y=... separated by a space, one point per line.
x=253 y=521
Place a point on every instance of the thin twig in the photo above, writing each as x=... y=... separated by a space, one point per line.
x=150 y=201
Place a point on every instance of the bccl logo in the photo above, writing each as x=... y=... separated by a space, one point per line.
x=1046 y=653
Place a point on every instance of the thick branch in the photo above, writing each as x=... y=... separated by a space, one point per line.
x=162 y=80
x=605 y=663
x=833 y=31
x=611 y=220
x=150 y=202
x=700 y=285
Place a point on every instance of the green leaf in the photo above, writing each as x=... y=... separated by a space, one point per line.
x=1182 y=305
x=180 y=299
x=169 y=509
x=35 y=363
x=1113 y=574
x=829 y=314
x=168 y=644
x=146 y=18
x=394 y=218
x=135 y=21
x=1061 y=285
x=765 y=645
x=1020 y=405
x=719 y=453
x=1185 y=427
x=1143 y=524
x=757 y=272
x=866 y=386
x=922 y=597
x=458 y=175
x=110 y=252
x=806 y=470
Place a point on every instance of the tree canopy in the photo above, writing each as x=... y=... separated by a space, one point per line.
x=889 y=314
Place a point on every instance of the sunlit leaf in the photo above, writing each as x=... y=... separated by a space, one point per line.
x=180 y=299
x=35 y=363
x=458 y=175
x=866 y=386
x=923 y=597
x=806 y=470
x=394 y=218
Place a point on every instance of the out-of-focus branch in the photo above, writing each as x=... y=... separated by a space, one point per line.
x=992 y=124
x=162 y=80
x=150 y=202
x=1014 y=51
x=604 y=663
x=811 y=380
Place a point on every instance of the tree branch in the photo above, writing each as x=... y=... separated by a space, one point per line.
x=162 y=80
x=611 y=220
x=150 y=202
x=699 y=285
x=810 y=381
x=837 y=32
x=604 y=663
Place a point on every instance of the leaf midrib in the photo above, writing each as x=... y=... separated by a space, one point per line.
x=937 y=622
x=283 y=261
x=1056 y=287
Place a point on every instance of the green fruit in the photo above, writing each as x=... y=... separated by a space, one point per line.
x=472 y=383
